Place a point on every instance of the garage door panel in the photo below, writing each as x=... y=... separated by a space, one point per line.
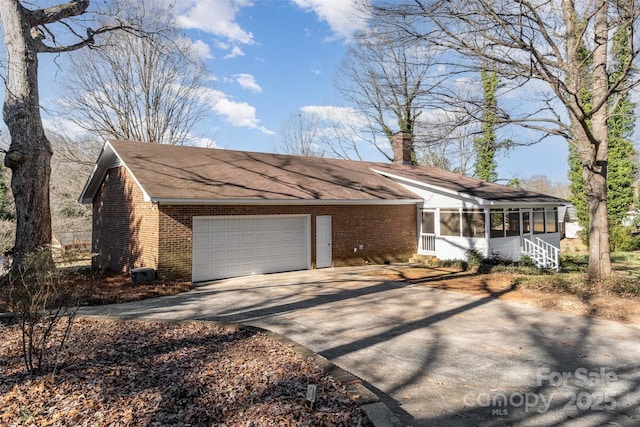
x=200 y=257
x=229 y=247
x=200 y=226
x=232 y=239
x=200 y=241
x=248 y=238
x=234 y=224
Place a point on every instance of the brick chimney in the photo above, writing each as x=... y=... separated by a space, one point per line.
x=402 y=148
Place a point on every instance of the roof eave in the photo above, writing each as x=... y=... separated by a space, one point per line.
x=103 y=164
x=516 y=203
x=173 y=201
x=105 y=158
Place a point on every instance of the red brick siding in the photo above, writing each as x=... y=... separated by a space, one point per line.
x=125 y=227
x=387 y=232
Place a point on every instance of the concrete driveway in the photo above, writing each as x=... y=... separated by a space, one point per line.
x=434 y=357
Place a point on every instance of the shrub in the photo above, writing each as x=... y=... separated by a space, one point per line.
x=474 y=258
x=573 y=262
x=526 y=261
x=623 y=240
x=45 y=305
x=622 y=285
x=486 y=264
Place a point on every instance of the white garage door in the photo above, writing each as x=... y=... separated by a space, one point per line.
x=240 y=245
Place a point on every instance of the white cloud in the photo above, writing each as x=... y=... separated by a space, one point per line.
x=341 y=115
x=66 y=127
x=201 y=49
x=343 y=16
x=239 y=114
x=235 y=52
x=201 y=141
x=217 y=17
x=247 y=81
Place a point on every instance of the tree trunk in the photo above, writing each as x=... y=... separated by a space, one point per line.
x=29 y=155
x=595 y=170
x=596 y=192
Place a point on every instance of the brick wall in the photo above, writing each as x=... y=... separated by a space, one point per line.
x=125 y=227
x=386 y=232
x=129 y=232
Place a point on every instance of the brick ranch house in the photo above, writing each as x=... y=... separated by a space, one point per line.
x=206 y=214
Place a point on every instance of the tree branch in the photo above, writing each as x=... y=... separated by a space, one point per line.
x=88 y=41
x=53 y=14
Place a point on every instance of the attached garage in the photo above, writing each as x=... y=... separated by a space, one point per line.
x=205 y=214
x=233 y=246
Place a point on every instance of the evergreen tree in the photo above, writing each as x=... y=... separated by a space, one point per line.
x=621 y=168
x=621 y=124
x=576 y=186
x=485 y=145
x=576 y=180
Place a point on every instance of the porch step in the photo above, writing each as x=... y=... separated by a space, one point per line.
x=422 y=259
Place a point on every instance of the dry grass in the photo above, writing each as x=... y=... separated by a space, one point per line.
x=566 y=292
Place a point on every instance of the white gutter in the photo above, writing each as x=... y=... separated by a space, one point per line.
x=166 y=201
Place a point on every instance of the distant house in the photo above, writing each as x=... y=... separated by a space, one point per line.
x=569 y=222
x=206 y=214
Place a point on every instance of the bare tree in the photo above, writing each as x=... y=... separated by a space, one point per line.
x=138 y=88
x=542 y=184
x=387 y=78
x=28 y=33
x=539 y=43
x=301 y=136
x=446 y=140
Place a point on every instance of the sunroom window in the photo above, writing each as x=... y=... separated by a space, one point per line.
x=526 y=222
x=428 y=222
x=513 y=222
x=473 y=223
x=497 y=223
x=551 y=220
x=538 y=220
x=449 y=222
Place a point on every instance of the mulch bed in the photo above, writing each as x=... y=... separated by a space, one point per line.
x=130 y=373
x=113 y=288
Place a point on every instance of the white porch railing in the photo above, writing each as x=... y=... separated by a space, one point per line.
x=427 y=244
x=543 y=254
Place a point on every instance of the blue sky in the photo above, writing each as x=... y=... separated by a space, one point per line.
x=271 y=58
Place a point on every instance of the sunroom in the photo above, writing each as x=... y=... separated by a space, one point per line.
x=507 y=231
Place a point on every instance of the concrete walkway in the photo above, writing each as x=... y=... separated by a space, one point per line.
x=435 y=357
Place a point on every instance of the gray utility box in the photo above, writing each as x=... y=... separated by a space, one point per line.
x=142 y=275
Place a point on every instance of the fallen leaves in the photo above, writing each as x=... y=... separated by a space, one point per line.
x=121 y=373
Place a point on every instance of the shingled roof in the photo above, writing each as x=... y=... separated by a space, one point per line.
x=182 y=174
x=169 y=173
x=460 y=184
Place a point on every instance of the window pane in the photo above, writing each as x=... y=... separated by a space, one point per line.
x=552 y=220
x=497 y=223
x=473 y=223
x=538 y=221
x=513 y=222
x=428 y=222
x=449 y=223
x=526 y=222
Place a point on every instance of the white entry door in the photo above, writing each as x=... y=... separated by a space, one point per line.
x=240 y=245
x=323 y=242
